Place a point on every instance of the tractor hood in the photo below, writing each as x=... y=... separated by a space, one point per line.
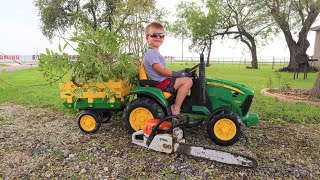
x=242 y=89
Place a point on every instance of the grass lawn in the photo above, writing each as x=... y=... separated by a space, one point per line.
x=268 y=108
x=23 y=90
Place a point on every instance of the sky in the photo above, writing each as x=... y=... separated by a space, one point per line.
x=20 y=34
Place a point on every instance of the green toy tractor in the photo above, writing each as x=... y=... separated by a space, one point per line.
x=223 y=104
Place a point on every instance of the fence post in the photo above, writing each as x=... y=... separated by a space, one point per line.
x=273 y=63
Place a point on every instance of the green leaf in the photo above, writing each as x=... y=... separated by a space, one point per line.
x=65 y=45
x=48 y=51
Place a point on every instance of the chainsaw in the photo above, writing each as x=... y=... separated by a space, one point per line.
x=167 y=135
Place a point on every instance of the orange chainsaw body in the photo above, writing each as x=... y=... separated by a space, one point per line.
x=152 y=122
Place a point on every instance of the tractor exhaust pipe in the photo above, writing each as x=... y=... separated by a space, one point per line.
x=202 y=76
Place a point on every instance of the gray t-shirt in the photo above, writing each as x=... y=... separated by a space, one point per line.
x=152 y=57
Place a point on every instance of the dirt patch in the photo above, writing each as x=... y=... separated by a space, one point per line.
x=291 y=96
x=44 y=143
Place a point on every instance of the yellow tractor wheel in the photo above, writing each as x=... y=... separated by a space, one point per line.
x=224 y=128
x=139 y=111
x=139 y=117
x=89 y=121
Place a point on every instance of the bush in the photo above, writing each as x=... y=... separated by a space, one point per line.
x=102 y=57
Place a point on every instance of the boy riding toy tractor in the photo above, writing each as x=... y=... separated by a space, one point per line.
x=223 y=104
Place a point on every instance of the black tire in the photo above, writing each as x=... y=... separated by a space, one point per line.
x=144 y=104
x=224 y=128
x=105 y=116
x=89 y=121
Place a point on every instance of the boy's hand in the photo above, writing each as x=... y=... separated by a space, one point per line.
x=182 y=73
x=186 y=70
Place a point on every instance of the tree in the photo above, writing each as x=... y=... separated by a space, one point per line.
x=125 y=17
x=200 y=25
x=134 y=27
x=179 y=29
x=315 y=91
x=246 y=21
x=59 y=15
x=291 y=16
x=238 y=19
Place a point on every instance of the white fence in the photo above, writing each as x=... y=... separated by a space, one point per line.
x=232 y=60
x=282 y=61
x=235 y=60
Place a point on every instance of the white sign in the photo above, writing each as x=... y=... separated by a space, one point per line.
x=19 y=58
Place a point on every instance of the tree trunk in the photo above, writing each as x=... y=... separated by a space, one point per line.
x=254 y=62
x=296 y=49
x=251 y=45
x=209 y=53
x=315 y=91
x=293 y=49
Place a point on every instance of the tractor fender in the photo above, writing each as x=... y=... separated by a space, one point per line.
x=153 y=93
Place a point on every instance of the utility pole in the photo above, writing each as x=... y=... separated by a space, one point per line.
x=182 y=48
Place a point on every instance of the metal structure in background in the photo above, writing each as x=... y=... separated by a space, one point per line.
x=303 y=64
x=305 y=69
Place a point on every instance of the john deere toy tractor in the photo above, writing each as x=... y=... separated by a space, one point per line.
x=223 y=104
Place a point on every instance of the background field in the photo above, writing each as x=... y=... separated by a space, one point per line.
x=43 y=141
x=19 y=88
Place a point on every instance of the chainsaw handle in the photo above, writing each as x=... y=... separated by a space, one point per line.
x=156 y=127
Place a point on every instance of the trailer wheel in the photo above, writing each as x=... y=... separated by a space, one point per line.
x=224 y=128
x=89 y=121
x=139 y=111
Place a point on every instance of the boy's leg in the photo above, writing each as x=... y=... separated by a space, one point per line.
x=183 y=85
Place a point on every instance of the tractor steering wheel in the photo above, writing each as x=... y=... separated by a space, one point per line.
x=193 y=71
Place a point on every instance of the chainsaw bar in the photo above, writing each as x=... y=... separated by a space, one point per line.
x=215 y=155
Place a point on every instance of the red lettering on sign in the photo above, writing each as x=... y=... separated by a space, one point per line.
x=11 y=57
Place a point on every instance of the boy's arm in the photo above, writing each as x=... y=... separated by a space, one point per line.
x=168 y=73
x=162 y=71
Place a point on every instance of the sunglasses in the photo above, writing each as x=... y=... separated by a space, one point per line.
x=155 y=35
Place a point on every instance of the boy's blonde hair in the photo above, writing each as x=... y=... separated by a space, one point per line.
x=154 y=24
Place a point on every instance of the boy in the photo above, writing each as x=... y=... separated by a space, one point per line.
x=156 y=69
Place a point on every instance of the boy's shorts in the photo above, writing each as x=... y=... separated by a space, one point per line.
x=167 y=85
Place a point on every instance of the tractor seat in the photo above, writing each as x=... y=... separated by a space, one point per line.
x=144 y=81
